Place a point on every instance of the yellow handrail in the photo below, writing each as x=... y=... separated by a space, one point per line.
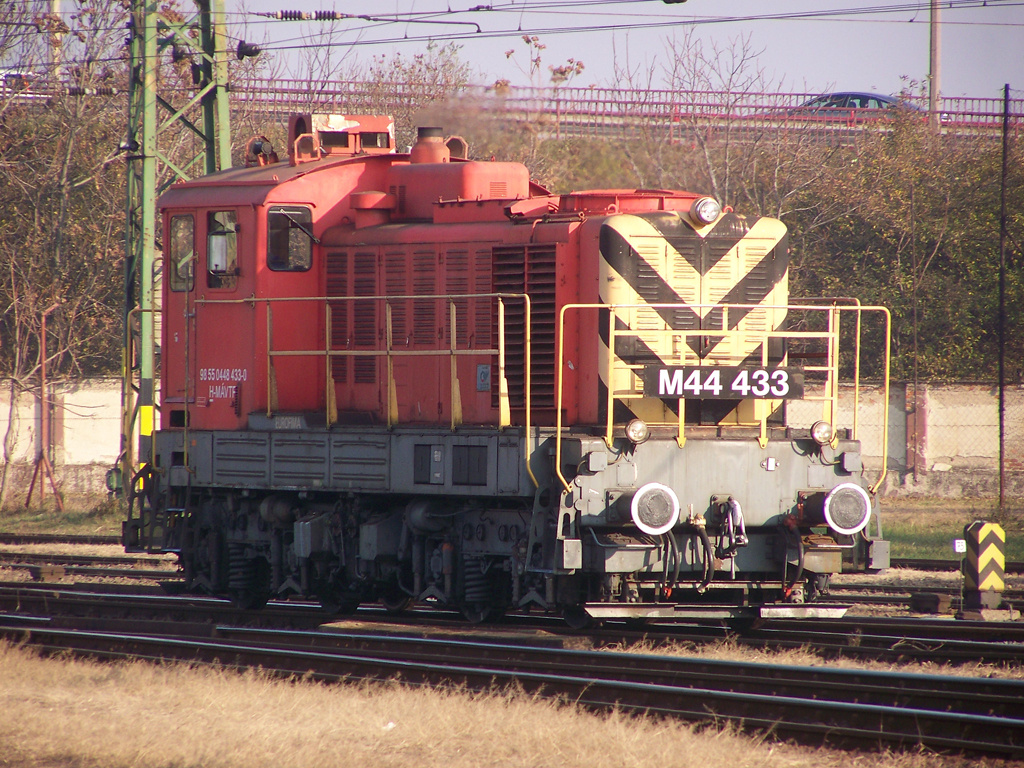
x=831 y=336
x=389 y=351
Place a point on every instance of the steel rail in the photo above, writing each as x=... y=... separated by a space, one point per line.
x=8 y=557
x=983 y=696
x=935 y=640
x=57 y=538
x=803 y=714
x=924 y=564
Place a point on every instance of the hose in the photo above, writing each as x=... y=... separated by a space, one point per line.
x=800 y=562
x=678 y=559
x=709 y=558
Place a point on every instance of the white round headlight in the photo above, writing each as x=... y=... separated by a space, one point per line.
x=847 y=508
x=655 y=509
x=637 y=431
x=705 y=210
x=821 y=432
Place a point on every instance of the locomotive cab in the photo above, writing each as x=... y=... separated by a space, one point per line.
x=419 y=377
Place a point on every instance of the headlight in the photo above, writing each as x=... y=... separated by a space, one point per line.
x=821 y=432
x=705 y=210
x=847 y=508
x=655 y=509
x=637 y=431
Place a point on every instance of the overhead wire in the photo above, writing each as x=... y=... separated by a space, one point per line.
x=552 y=8
x=657 y=21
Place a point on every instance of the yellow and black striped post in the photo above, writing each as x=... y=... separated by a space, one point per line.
x=984 y=566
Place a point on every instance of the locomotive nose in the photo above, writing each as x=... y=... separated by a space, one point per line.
x=655 y=509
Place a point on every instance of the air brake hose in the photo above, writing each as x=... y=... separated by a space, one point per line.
x=709 y=558
x=800 y=560
x=678 y=560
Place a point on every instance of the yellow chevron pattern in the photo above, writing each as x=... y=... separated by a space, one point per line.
x=660 y=273
x=985 y=564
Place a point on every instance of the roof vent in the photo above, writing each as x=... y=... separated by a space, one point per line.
x=429 y=146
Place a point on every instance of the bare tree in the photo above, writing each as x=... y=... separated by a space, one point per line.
x=61 y=194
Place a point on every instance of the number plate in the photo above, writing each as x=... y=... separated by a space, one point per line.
x=721 y=383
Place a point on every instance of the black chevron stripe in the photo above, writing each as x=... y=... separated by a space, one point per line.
x=621 y=413
x=635 y=352
x=752 y=289
x=747 y=292
x=702 y=253
x=990 y=569
x=630 y=349
x=991 y=539
x=624 y=259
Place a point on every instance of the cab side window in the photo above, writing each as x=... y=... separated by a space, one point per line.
x=183 y=255
x=221 y=250
x=289 y=239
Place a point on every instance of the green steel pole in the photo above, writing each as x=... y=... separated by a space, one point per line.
x=149 y=171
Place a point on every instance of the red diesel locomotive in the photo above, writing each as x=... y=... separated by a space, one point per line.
x=416 y=377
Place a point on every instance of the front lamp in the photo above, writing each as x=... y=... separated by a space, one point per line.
x=821 y=432
x=705 y=210
x=637 y=431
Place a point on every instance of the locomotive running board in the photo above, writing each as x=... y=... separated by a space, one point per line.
x=673 y=611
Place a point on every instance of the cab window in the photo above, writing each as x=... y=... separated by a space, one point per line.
x=182 y=255
x=221 y=250
x=289 y=239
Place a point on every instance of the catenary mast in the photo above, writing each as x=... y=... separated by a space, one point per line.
x=156 y=115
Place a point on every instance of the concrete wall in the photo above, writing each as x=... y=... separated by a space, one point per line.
x=948 y=445
x=951 y=438
x=85 y=435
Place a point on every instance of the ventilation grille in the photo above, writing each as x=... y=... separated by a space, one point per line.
x=365 y=316
x=424 y=282
x=530 y=271
x=337 y=285
x=353 y=323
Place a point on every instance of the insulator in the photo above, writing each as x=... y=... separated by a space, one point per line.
x=245 y=50
x=308 y=15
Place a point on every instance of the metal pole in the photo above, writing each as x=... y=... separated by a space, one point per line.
x=935 y=66
x=1002 y=297
x=43 y=459
x=154 y=32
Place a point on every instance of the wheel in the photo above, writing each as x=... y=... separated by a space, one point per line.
x=577 y=618
x=393 y=597
x=477 y=613
x=248 y=599
x=248 y=581
x=338 y=604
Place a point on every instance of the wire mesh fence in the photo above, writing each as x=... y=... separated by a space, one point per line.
x=592 y=112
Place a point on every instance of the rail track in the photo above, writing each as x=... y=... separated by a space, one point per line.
x=48 y=566
x=888 y=640
x=853 y=708
x=920 y=564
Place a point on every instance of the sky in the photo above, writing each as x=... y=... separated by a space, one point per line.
x=816 y=45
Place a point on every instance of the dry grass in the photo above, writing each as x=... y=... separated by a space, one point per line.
x=91 y=715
